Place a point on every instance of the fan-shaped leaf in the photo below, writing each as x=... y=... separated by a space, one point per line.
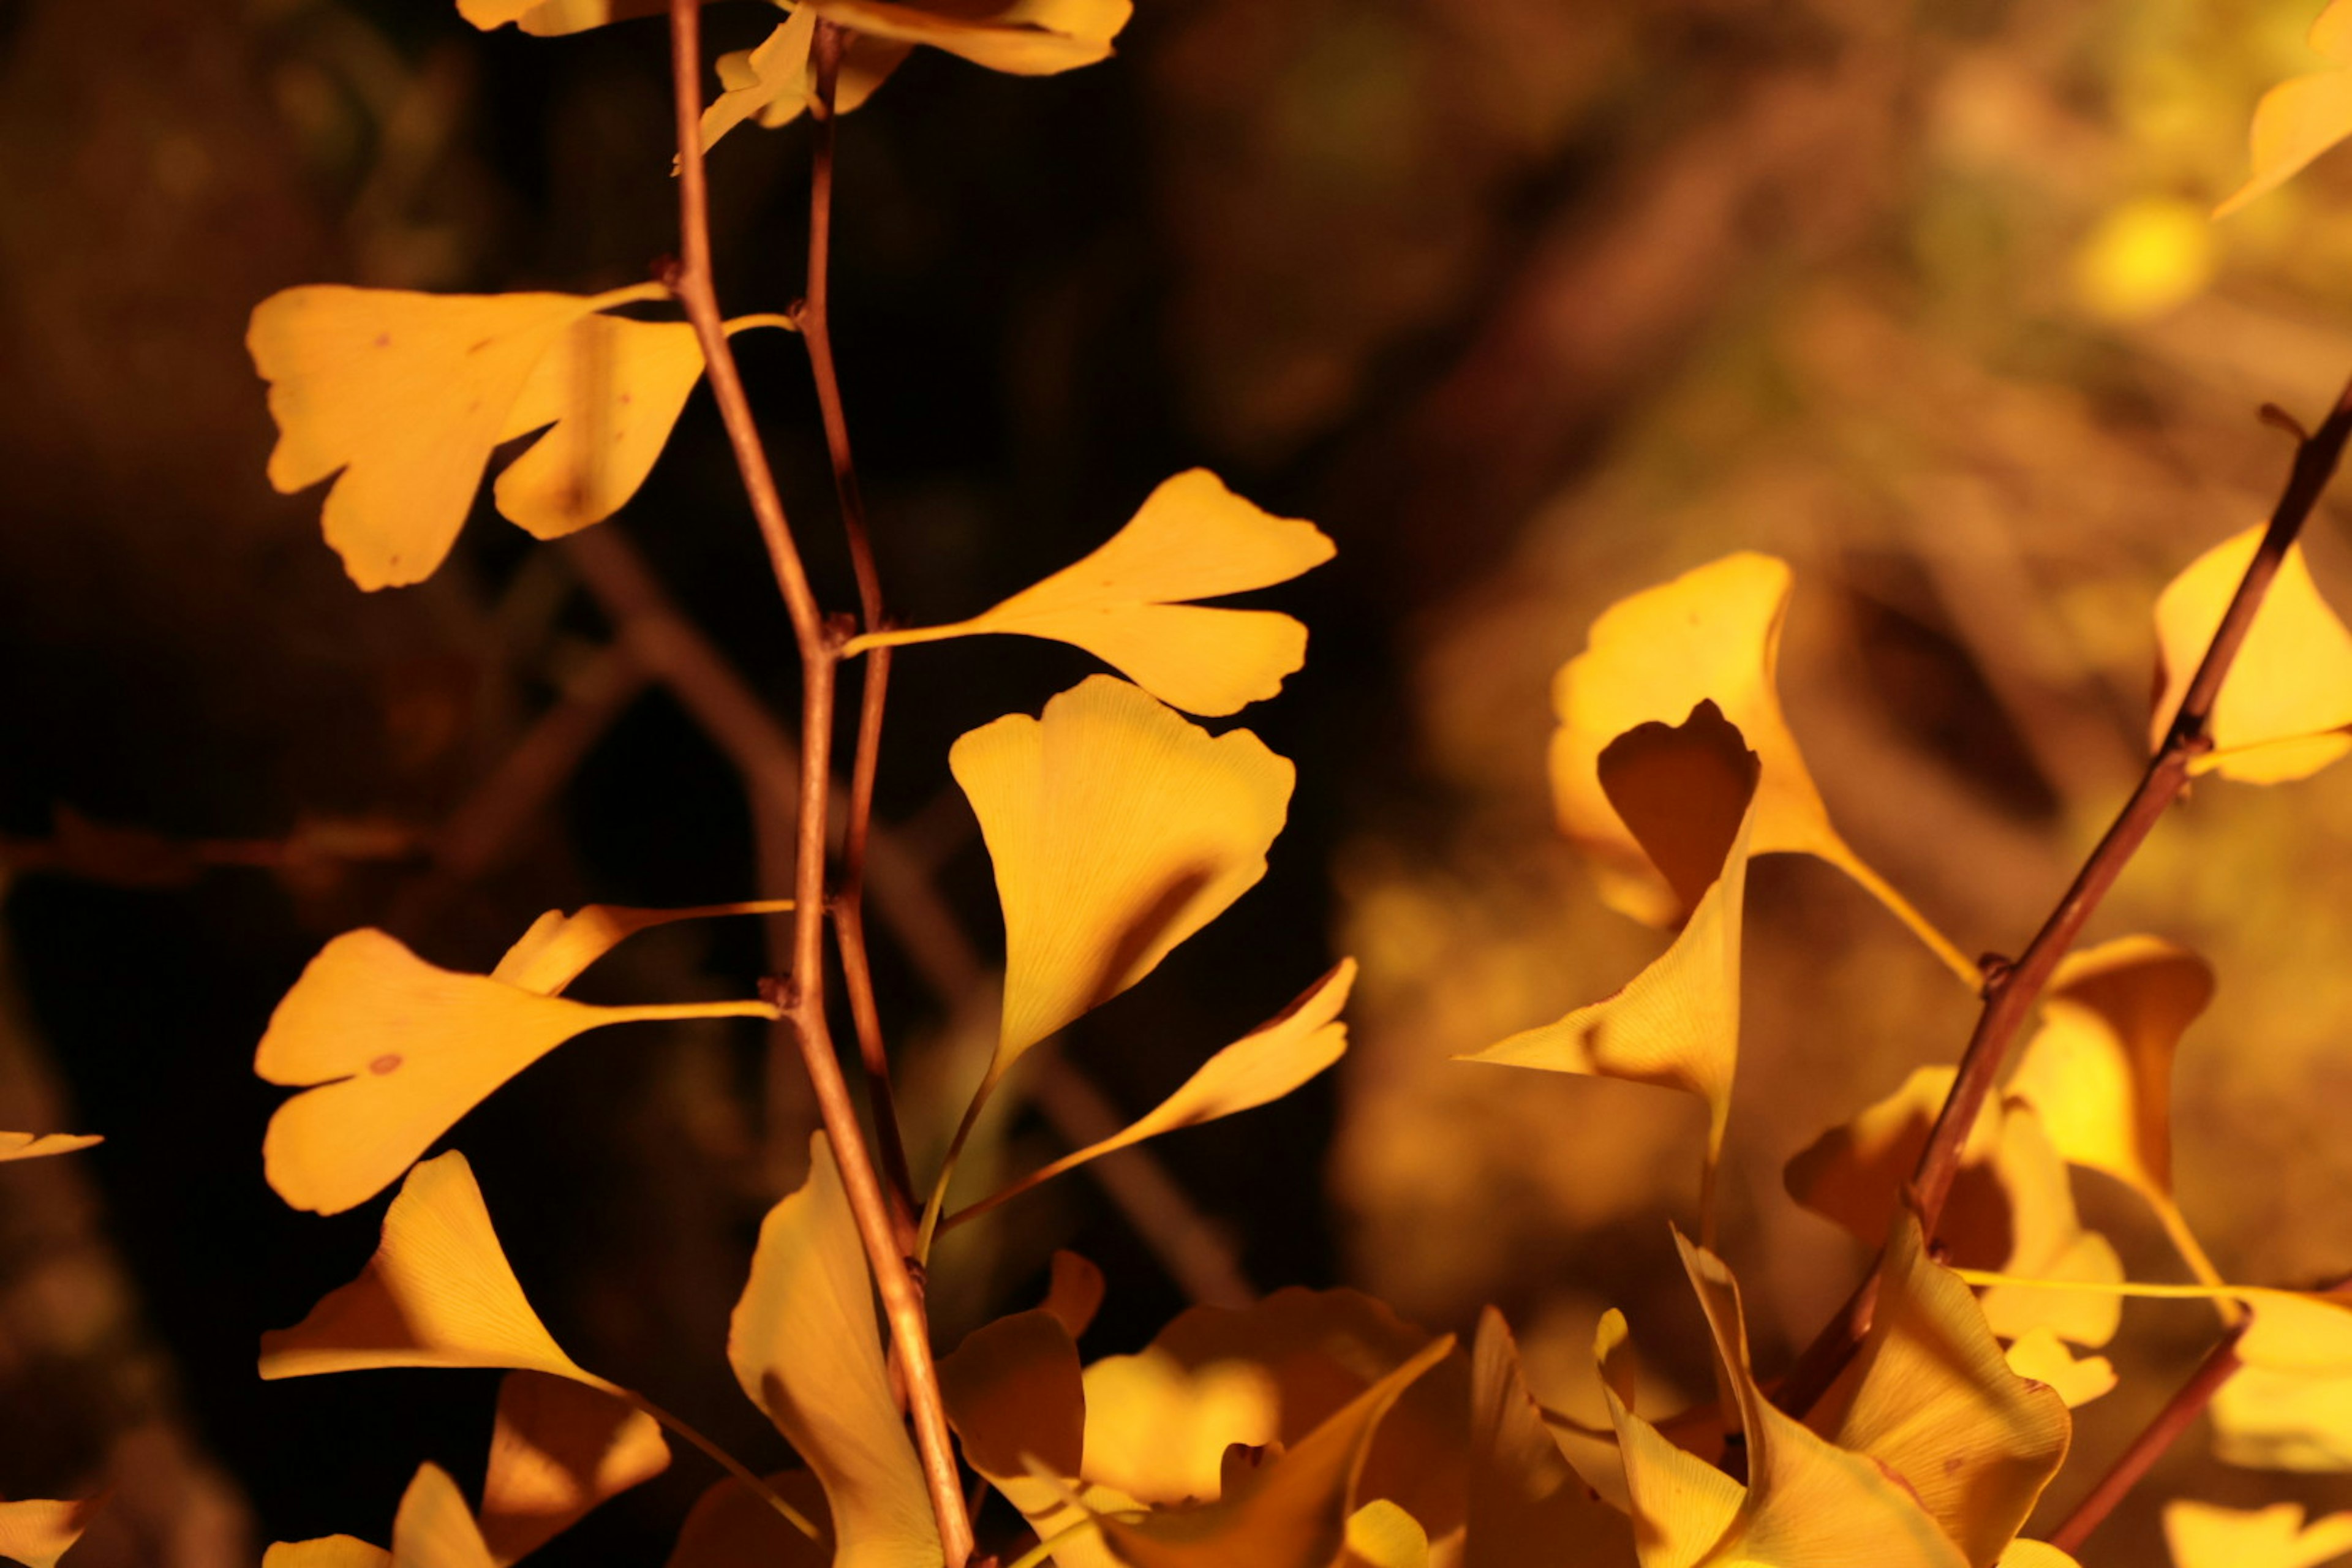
x=2300 y=119
x=2204 y=1535
x=560 y=1449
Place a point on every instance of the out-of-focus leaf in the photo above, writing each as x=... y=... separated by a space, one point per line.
x=2289 y=1407
x=438 y=1292
x=1382 y=1535
x=1527 y=1508
x=36 y=1532
x=2035 y=1554
x=807 y=1349
x=550 y=19
x=731 y=1526
x=2039 y=1354
x=1689 y=792
x=326 y=1551
x=559 y=1448
x=2285 y=710
x=398 y=1050
x=1712 y=635
x=36 y=1145
x=1261 y=1066
x=1015 y=1393
x=2300 y=119
x=1118 y=830
x=434 y=1529
x=1127 y=603
x=1932 y=1400
x=557 y=948
x=2206 y=1535
x=1075 y=1292
x=1025 y=38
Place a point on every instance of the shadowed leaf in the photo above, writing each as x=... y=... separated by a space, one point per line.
x=560 y=1449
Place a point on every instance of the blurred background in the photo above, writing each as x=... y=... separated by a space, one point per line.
x=1529 y=303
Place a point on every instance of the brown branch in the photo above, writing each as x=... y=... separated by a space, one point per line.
x=2010 y=992
x=820 y=645
x=2179 y=1413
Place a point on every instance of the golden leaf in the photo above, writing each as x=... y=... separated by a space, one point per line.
x=1712 y=635
x=438 y=1292
x=2300 y=119
x=553 y=18
x=2289 y=1407
x=1075 y=1292
x=2284 y=711
x=775 y=82
x=1681 y=1506
x=434 y=1529
x=326 y=1551
x=559 y=1448
x=1116 y=830
x=611 y=389
x=1526 y=1504
x=1127 y=603
x=731 y=1526
x=1016 y=1395
x=394 y=1050
x=35 y=1146
x=36 y=1532
x=1025 y=38
x=2205 y=1535
x=1931 y=1398
x=1382 y=1535
x=805 y=1345
x=557 y=948
x=2039 y=1354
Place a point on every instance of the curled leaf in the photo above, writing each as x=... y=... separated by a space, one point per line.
x=2285 y=711
x=776 y=82
x=36 y=1145
x=2301 y=118
x=1125 y=604
x=36 y=1532
x=1525 y=1504
x=438 y=1292
x=1712 y=635
x=2205 y=1535
x=434 y=1529
x=394 y=1050
x=807 y=1349
x=1118 y=830
x=560 y=1449
x=1681 y=1506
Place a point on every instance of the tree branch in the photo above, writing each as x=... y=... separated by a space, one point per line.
x=2179 y=1413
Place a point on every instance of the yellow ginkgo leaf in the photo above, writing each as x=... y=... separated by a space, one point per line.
x=1712 y=635
x=1288 y=1510
x=36 y=1532
x=1932 y=1400
x=1257 y=1069
x=1382 y=1535
x=1025 y=38
x=438 y=1292
x=2099 y=1069
x=326 y=1551
x=1075 y=1291
x=1807 y=1501
x=394 y=1050
x=805 y=1345
x=1118 y=830
x=2035 y=1554
x=35 y=1145
x=2205 y=1535
x=1016 y=1394
x=1127 y=603
x=2012 y=1201
x=434 y=1529
x=2289 y=1406
x=557 y=948
x=1525 y=1504
x=776 y=82
x=2039 y=1354
x=1681 y=1506
x=1690 y=791
x=2284 y=711
x=2301 y=118
x=553 y=18
x=560 y=1449
x=731 y=1526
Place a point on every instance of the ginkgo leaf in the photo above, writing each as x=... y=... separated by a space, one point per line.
x=2289 y=1406
x=2099 y=1069
x=1807 y=1501
x=1292 y=1510
x=1127 y=603
x=557 y=948
x=1257 y=1069
x=2300 y=119
x=1712 y=635
x=559 y=1448
x=553 y=18
x=326 y=1551
x=1025 y=38
x=1931 y=1398
x=1382 y=1535
x=2206 y=1535
x=1075 y=1292
x=1118 y=830
x=1015 y=1391
x=36 y=1532
x=398 y=1050
x=1526 y=1504
x=2035 y=1554
x=35 y=1146
x=2285 y=709
x=438 y=1292
x=776 y=82
x=2012 y=1201
x=806 y=1347
x=2039 y=1354
x=731 y=1526
x=1690 y=790
x=1680 y=1505
x=434 y=1528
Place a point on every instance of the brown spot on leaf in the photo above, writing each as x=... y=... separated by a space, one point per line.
x=386 y=1063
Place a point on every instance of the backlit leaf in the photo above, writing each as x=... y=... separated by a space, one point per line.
x=806 y=1346
x=1527 y=1508
x=1681 y=1506
x=1026 y=38
x=1016 y=1394
x=2039 y=1354
x=731 y=1526
x=2289 y=1407
x=1075 y=1293
x=557 y=948
x=1125 y=604
x=1382 y=1535
x=326 y=1551
x=434 y=1528
x=2205 y=1535
x=35 y=1146
x=560 y=1449
x=2300 y=119
x=2284 y=711
x=775 y=82
x=36 y=1532
x=1118 y=830
x=438 y=1292
x=550 y=19
x=398 y=1050
x=1712 y=635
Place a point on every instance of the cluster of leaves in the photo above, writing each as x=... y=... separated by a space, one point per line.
x=1314 y=1428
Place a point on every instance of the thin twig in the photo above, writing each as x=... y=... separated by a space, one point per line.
x=820 y=645
x=2179 y=1413
x=2010 y=992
